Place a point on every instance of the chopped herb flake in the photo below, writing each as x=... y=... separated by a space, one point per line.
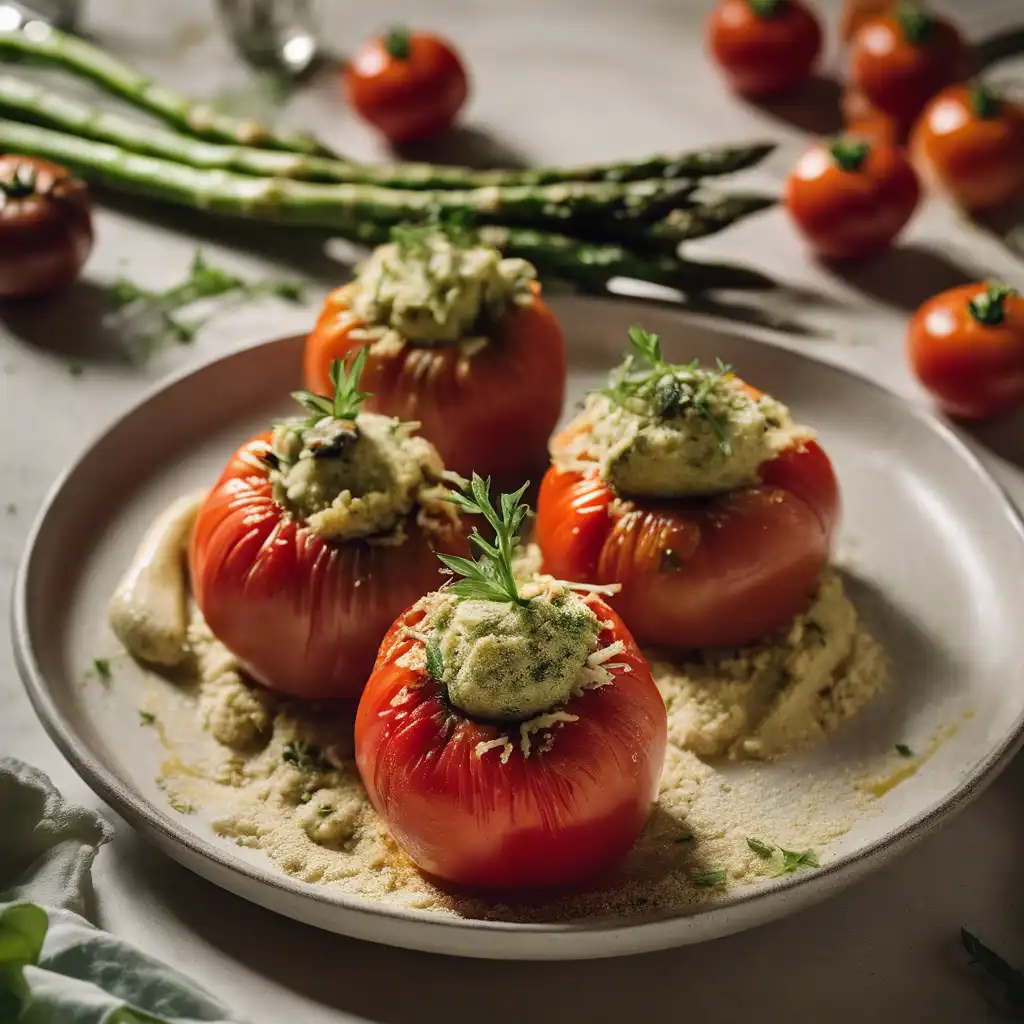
x=325 y=810
x=709 y=879
x=435 y=662
x=305 y=797
x=146 y=717
x=793 y=861
x=761 y=849
x=101 y=666
x=305 y=756
x=76 y=369
x=12 y=509
x=903 y=750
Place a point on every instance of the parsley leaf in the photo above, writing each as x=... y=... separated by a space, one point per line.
x=304 y=756
x=793 y=860
x=761 y=849
x=102 y=667
x=645 y=381
x=347 y=399
x=709 y=879
x=489 y=576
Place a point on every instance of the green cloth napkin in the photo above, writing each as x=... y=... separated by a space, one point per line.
x=55 y=967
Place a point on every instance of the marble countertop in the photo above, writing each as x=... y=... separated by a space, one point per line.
x=602 y=79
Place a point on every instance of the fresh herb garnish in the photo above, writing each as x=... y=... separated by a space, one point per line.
x=305 y=756
x=457 y=226
x=793 y=861
x=903 y=750
x=761 y=849
x=153 y=317
x=146 y=718
x=102 y=667
x=181 y=806
x=489 y=576
x=709 y=879
x=435 y=663
x=347 y=399
x=645 y=382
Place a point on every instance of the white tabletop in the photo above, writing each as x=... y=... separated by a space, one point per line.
x=566 y=82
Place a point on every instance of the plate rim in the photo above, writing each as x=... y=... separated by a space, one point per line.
x=645 y=933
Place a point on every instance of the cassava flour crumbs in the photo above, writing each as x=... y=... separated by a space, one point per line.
x=280 y=776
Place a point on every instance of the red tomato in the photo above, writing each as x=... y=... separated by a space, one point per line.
x=303 y=614
x=555 y=817
x=409 y=85
x=764 y=46
x=492 y=411
x=851 y=198
x=45 y=226
x=900 y=60
x=966 y=346
x=971 y=144
x=704 y=572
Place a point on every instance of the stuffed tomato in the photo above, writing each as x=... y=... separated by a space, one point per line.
x=510 y=735
x=315 y=537
x=698 y=495
x=460 y=342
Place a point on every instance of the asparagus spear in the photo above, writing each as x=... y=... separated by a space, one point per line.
x=37 y=41
x=27 y=101
x=337 y=206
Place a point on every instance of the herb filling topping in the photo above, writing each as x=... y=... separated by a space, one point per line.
x=437 y=286
x=670 y=430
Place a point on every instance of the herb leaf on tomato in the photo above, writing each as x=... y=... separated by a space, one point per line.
x=347 y=399
x=489 y=576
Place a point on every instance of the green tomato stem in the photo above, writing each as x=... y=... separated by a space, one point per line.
x=398 y=43
x=849 y=154
x=917 y=25
x=984 y=102
x=767 y=8
x=989 y=308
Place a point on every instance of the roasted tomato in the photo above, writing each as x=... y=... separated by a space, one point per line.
x=850 y=198
x=970 y=143
x=409 y=85
x=764 y=47
x=555 y=805
x=469 y=404
x=299 y=587
x=706 y=572
x=901 y=59
x=966 y=346
x=45 y=227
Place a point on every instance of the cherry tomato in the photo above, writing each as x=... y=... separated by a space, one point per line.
x=900 y=60
x=764 y=46
x=966 y=346
x=701 y=572
x=971 y=144
x=303 y=614
x=482 y=819
x=851 y=197
x=491 y=411
x=409 y=85
x=45 y=226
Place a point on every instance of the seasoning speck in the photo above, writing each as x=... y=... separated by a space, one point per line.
x=146 y=718
x=903 y=750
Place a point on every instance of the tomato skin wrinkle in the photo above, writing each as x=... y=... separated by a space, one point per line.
x=303 y=615
x=473 y=416
x=486 y=820
x=706 y=572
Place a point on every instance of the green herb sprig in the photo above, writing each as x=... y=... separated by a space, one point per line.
x=154 y=317
x=709 y=879
x=489 y=576
x=347 y=399
x=761 y=849
x=646 y=380
x=794 y=860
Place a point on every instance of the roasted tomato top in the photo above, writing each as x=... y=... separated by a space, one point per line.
x=488 y=391
x=500 y=805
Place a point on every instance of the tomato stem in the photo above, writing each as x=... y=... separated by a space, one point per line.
x=984 y=102
x=989 y=308
x=917 y=25
x=849 y=154
x=397 y=43
x=21 y=184
x=767 y=8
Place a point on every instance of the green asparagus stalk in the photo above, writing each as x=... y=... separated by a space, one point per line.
x=27 y=101
x=337 y=206
x=39 y=42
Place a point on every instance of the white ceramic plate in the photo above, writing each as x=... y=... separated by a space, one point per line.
x=938 y=556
